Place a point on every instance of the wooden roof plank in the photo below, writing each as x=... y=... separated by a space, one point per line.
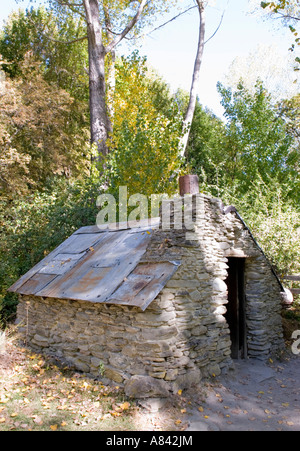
x=61 y=263
x=84 y=242
x=156 y=274
x=36 y=283
x=60 y=249
x=133 y=284
x=85 y=280
x=59 y=285
x=100 y=267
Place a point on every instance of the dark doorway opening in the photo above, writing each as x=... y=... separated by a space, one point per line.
x=236 y=307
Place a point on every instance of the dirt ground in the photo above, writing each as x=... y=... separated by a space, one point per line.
x=256 y=396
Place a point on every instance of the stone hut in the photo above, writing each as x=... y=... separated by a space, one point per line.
x=158 y=306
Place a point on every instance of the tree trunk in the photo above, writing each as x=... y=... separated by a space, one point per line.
x=111 y=73
x=100 y=123
x=196 y=76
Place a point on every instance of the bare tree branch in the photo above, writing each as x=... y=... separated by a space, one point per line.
x=285 y=16
x=196 y=74
x=218 y=27
x=65 y=42
x=72 y=6
x=67 y=3
x=169 y=21
x=127 y=29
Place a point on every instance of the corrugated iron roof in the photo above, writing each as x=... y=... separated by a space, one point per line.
x=100 y=266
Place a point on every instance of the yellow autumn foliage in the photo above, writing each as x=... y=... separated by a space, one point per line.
x=145 y=141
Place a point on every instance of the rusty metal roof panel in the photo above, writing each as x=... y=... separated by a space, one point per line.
x=144 y=284
x=100 y=266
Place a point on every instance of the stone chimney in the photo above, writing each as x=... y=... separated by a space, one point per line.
x=188 y=184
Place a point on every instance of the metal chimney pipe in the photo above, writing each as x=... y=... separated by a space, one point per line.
x=188 y=184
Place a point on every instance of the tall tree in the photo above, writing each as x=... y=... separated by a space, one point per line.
x=99 y=16
x=40 y=32
x=40 y=136
x=289 y=12
x=189 y=114
x=258 y=143
x=195 y=80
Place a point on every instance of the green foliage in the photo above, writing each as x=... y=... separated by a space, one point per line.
x=274 y=220
x=255 y=144
x=145 y=139
x=257 y=139
x=289 y=12
x=252 y=162
x=45 y=35
x=205 y=152
x=34 y=225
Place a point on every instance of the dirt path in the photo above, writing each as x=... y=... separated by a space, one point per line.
x=255 y=397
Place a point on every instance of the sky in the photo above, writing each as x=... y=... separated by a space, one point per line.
x=172 y=49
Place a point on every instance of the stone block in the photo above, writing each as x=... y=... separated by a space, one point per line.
x=187 y=380
x=146 y=387
x=114 y=374
x=219 y=285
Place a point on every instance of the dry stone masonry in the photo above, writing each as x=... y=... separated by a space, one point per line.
x=183 y=335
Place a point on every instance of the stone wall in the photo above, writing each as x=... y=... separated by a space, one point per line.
x=183 y=334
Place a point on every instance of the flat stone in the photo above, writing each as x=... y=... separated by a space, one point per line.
x=113 y=374
x=146 y=387
x=219 y=285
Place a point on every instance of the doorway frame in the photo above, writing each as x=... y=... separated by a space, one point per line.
x=236 y=307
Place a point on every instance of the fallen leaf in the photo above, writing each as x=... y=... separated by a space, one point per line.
x=179 y=392
x=14 y=414
x=285 y=404
x=178 y=422
x=105 y=416
x=267 y=411
x=200 y=409
x=2 y=420
x=183 y=410
x=53 y=427
x=38 y=420
x=125 y=406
